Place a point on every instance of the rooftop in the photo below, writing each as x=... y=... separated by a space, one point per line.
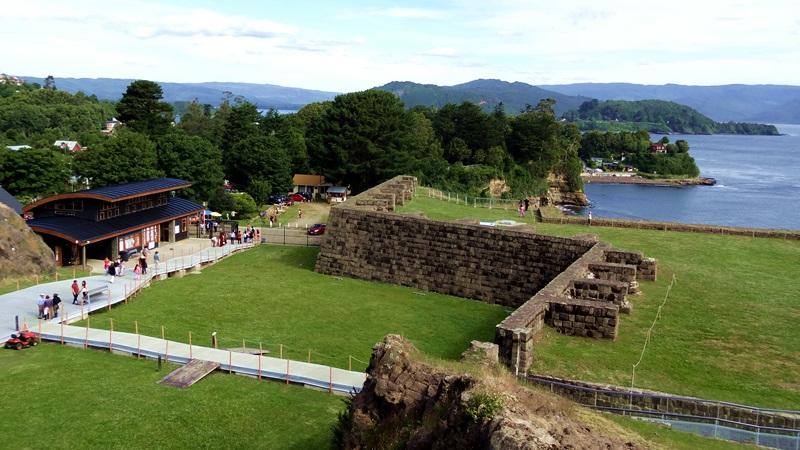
x=120 y=191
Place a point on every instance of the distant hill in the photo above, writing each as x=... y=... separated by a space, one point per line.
x=263 y=95
x=733 y=102
x=658 y=116
x=487 y=93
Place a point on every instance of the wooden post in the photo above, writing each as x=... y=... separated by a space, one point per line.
x=73 y=272
x=281 y=347
x=109 y=303
x=138 y=339
x=309 y=356
x=190 y=345
x=110 y=331
x=40 y=330
x=86 y=339
x=162 y=331
x=243 y=345
x=260 y=356
x=350 y=363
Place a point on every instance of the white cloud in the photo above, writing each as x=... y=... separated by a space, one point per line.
x=412 y=13
x=446 y=52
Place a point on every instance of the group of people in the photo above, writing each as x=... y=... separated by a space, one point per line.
x=236 y=236
x=48 y=306
x=77 y=290
x=116 y=268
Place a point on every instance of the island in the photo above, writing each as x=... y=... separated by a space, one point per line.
x=656 y=116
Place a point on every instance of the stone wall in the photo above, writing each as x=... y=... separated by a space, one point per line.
x=583 y=318
x=577 y=285
x=493 y=265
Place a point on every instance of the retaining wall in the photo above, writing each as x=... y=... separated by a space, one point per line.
x=547 y=279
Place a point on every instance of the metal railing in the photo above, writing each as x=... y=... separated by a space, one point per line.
x=723 y=420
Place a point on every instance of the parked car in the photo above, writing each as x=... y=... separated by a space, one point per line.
x=307 y=195
x=275 y=199
x=297 y=197
x=129 y=254
x=316 y=229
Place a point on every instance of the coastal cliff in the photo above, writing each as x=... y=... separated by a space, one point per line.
x=22 y=252
x=558 y=193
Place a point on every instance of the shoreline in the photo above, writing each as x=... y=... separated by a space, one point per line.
x=636 y=179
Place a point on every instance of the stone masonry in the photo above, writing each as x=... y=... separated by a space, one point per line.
x=577 y=285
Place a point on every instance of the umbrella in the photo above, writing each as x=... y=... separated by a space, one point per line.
x=216 y=214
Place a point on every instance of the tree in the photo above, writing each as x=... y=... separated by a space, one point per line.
x=142 y=110
x=197 y=121
x=260 y=158
x=34 y=172
x=220 y=200
x=49 y=83
x=127 y=156
x=191 y=158
x=259 y=190
x=243 y=204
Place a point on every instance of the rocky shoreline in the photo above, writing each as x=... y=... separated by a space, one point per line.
x=636 y=179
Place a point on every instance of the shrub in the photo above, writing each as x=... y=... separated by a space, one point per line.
x=483 y=406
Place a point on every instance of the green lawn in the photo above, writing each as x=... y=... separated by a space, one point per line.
x=272 y=295
x=70 y=272
x=662 y=435
x=72 y=398
x=728 y=331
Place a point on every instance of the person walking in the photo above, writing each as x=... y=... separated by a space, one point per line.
x=137 y=272
x=156 y=259
x=76 y=290
x=590 y=218
x=85 y=291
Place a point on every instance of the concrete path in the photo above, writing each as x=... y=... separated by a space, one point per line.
x=22 y=303
x=296 y=372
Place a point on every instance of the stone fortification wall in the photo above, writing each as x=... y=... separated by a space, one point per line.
x=577 y=285
x=489 y=264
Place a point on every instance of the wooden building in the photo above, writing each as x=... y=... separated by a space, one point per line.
x=107 y=221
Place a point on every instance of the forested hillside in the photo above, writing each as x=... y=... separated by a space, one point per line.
x=358 y=139
x=658 y=116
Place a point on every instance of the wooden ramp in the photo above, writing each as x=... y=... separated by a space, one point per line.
x=191 y=373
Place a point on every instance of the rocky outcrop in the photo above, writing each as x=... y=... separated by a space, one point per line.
x=409 y=403
x=559 y=194
x=22 y=252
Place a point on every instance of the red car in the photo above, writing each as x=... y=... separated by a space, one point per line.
x=297 y=197
x=316 y=229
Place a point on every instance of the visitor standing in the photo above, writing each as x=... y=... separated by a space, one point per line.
x=143 y=264
x=40 y=304
x=527 y=204
x=56 y=304
x=156 y=259
x=106 y=263
x=76 y=290
x=590 y=218
x=137 y=272
x=48 y=307
x=85 y=291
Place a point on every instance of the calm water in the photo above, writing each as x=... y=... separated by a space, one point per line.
x=758 y=185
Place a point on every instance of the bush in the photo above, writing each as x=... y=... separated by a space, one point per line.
x=243 y=204
x=483 y=406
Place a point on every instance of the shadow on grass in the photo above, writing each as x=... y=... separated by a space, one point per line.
x=303 y=258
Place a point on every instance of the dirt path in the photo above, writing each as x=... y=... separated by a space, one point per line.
x=314 y=212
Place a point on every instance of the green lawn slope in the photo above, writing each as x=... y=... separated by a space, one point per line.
x=729 y=328
x=271 y=295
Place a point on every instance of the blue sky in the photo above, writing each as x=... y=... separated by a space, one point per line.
x=354 y=45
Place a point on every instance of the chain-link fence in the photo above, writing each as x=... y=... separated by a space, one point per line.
x=296 y=235
x=507 y=204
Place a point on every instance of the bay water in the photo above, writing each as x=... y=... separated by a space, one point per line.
x=758 y=185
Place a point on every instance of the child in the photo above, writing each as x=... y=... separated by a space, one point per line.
x=137 y=272
x=85 y=291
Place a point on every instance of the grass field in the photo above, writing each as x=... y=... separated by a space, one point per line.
x=728 y=330
x=62 y=273
x=72 y=398
x=272 y=295
x=67 y=397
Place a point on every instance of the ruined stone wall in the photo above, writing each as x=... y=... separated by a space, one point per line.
x=584 y=318
x=577 y=285
x=489 y=264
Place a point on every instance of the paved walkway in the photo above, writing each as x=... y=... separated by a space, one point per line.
x=316 y=375
x=22 y=303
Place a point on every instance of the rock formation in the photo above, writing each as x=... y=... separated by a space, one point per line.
x=559 y=194
x=22 y=252
x=407 y=402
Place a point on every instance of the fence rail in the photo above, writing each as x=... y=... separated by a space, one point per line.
x=778 y=428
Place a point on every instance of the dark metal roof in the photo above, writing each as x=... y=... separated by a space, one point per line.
x=77 y=229
x=9 y=200
x=136 y=188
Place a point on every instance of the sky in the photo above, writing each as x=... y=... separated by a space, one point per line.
x=351 y=45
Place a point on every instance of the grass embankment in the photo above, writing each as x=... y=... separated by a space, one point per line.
x=729 y=328
x=73 y=398
x=272 y=295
